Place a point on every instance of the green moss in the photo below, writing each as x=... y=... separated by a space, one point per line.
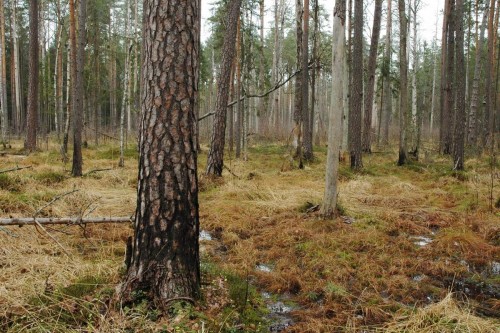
x=11 y=184
x=50 y=177
x=83 y=286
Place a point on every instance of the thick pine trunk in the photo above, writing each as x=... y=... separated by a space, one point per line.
x=215 y=162
x=164 y=263
x=372 y=65
x=357 y=88
x=32 y=116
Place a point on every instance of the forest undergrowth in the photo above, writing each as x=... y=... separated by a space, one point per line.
x=414 y=249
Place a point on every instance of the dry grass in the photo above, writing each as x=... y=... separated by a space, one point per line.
x=343 y=277
x=444 y=316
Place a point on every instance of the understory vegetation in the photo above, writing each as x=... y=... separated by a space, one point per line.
x=414 y=248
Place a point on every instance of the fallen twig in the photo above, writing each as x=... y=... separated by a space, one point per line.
x=21 y=221
x=96 y=170
x=17 y=168
x=229 y=170
x=57 y=197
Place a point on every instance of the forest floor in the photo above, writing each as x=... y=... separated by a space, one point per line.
x=416 y=248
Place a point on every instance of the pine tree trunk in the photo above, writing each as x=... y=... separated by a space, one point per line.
x=165 y=261
x=458 y=158
x=215 y=162
x=490 y=88
x=306 y=118
x=387 y=102
x=297 y=113
x=403 y=74
x=237 y=132
x=78 y=96
x=473 y=130
x=69 y=91
x=334 y=138
x=357 y=88
x=372 y=66
x=449 y=114
x=17 y=76
x=3 y=78
x=443 y=126
x=32 y=116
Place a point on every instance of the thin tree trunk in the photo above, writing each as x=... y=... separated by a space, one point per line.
x=357 y=88
x=32 y=117
x=415 y=115
x=443 y=127
x=125 y=107
x=387 y=105
x=78 y=105
x=328 y=207
x=473 y=131
x=450 y=83
x=306 y=118
x=17 y=75
x=69 y=90
x=490 y=91
x=237 y=136
x=403 y=94
x=215 y=162
x=3 y=78
x=297 y=113
x=458 y=158
x=372 y=66
x=434 y=80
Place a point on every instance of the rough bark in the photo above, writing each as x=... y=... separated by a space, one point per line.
x=165 y=263
x=32 y=116
x=78 y=110
x=403 y=93
x=334 y=134
x=357 y=88
x=215 y=163
x=372 y=65
x=458 y=147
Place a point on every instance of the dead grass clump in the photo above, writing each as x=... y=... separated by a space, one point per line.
x=465 y=244
x=11 y=183
x=445 y=316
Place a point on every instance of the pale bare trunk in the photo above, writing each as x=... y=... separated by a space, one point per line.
x=334 y=136
x=17 y=75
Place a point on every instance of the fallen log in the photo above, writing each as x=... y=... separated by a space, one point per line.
x=20 y=221
x=17 y=168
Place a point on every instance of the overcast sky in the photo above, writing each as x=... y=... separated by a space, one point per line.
x=426 y=15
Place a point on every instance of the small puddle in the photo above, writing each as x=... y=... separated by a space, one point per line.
x=421 y=240
x=279 y=316
x=205 y=236
x=495 y=268
x=263 y=268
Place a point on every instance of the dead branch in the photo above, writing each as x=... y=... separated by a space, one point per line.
x=278 y=85
x=21 y=221
x=96 y=170
x=17 y=168
x=57 y=197
x=231 y=172
x=101 y=133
